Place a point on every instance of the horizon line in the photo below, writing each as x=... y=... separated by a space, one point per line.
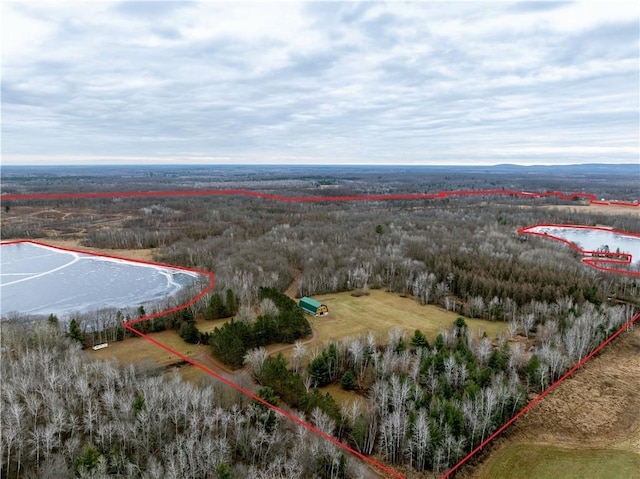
x=438 y=165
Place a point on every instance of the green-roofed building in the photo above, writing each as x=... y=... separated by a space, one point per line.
x=313 y=307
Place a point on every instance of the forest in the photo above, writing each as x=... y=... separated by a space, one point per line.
x=426 y=401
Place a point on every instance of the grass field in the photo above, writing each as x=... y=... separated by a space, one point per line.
x=208 y=326
x=380 y=312
x=135 y=254
x=587 y=428
x=139 y=350
x=349 y=316
x=340 y=395
x=551 y=462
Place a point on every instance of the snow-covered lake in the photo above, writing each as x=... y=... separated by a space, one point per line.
x=37 y=279
x=592 y=239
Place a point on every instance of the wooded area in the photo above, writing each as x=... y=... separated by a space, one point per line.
x=426 y=402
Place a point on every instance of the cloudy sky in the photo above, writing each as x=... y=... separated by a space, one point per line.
x=325 y=82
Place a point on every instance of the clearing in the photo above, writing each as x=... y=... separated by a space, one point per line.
x=135 y=254
x=380 y=312
x=594 y=415
x=139 y=351
x=585 y=207
x=547 y=461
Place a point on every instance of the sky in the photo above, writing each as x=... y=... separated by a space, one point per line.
x=322 y=83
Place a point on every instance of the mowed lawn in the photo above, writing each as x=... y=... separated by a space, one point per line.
x=550 y=462
x=380 y=312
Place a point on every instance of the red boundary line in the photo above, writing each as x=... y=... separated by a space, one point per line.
x=541 y=395
x=129 y=325
x=309 y=199
x=623 y=259
x=592 y=259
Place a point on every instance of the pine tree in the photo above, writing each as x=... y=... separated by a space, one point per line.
x=231 y=304
x=138 y=404
x=87 y=462
x=348 y=381
x=533 y=368
x=75 y=332
x=319 y=371
x=216 y=308
x=419 y=340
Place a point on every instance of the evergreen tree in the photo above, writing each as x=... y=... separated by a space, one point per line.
x=460 y=325
x=189 y=332
x=496 y=361
x=348 y=381
x=231 y=304
x=75 y=332
x=319 y=371
x=87 y=461
x=419 y=340
x=216 y=308
x=223 y=471
x=533 y=373
x=53 y=320
x=138 y=403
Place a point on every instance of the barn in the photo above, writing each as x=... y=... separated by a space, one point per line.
x=313 y=307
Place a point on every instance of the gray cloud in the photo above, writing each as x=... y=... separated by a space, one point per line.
x=321 y=82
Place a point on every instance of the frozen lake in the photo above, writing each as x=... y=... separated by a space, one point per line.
x=592 y=239
x=37 y=279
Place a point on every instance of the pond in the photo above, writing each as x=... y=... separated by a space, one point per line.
x=590 y=239
x=38 y=279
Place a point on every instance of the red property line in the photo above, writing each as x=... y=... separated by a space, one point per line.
x=208 y=274
x=595 y=259
x=249 y=394
x=416 y=196
x=129 y=325
x=310 y=199
x=542 y=395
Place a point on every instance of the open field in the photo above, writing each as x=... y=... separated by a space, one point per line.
x=205 y=326
x=584 y=207
x=380 y=312
x=550 y=462
x=74 y=244
x=609 y=210
x=140 y=351
x=588 y=427
x=340 y=395
x=139 y=254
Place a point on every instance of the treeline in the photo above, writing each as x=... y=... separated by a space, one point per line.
x=472 y=275
x=283 y=322
x=66 y=416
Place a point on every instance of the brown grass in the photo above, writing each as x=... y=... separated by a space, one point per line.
x=207 y=326
x=340 y=395
x=592 y=209
x=380 y=312
x=595 y=412
x=138 y=350
x=136 y=254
